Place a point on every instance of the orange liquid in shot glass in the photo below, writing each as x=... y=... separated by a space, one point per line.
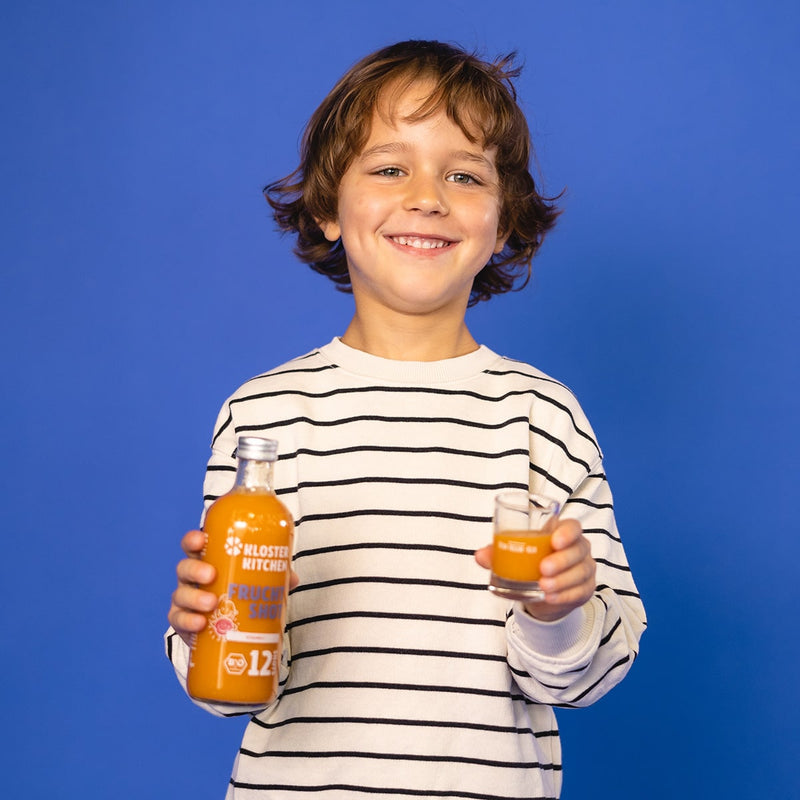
x=517 y=556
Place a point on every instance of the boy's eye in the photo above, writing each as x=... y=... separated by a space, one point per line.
x=389 y=172
x=463 y=177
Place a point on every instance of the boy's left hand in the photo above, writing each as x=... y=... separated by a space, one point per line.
x=568 y=574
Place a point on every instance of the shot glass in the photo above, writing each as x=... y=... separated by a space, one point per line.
x=523 y=524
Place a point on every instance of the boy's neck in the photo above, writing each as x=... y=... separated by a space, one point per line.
x=410 y=339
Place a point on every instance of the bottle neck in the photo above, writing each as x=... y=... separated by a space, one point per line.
x=254 y=476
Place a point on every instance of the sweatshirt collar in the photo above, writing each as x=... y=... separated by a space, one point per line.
x=408 y=372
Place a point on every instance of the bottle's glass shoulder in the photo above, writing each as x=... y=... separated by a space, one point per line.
x=255 y=507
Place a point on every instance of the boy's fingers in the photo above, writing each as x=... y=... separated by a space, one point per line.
x=192 y=571
x=571 y=548
x=570 y=598
x=566 y=533
x=484 y=556
x=562 y=560
x=193 y=543
x=580 y=575
x=193 y=600
x=186 y=623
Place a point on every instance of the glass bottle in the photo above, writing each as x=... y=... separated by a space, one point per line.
x=236 y=657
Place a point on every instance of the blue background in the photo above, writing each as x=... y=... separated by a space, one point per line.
x=142 y=281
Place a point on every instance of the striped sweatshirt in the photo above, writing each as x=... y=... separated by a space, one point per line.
x=402 y=675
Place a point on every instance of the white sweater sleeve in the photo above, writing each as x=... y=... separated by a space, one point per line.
x=576 y=660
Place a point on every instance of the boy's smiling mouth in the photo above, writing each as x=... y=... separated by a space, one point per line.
x=421 y=242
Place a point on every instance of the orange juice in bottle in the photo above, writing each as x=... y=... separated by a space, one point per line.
x=236 y=657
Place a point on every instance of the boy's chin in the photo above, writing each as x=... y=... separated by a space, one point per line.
x=426 y=305
x=420 y=298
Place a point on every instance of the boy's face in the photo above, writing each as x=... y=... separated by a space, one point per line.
x=418 y=213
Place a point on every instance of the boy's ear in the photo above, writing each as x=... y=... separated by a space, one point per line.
x=502 y=238
x=331 y=229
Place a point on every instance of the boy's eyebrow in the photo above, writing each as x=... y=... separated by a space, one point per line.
x=476 y=158
x=390 y=148
x=384 y=149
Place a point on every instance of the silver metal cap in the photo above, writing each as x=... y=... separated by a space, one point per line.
x=257 y=448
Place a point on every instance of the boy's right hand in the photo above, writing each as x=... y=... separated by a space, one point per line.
x=190 y=602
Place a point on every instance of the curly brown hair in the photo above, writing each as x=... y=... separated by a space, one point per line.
x=477 y=95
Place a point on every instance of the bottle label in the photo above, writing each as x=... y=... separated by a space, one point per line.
x=258 y=558
x=262 y=602
x=253 y=638
x=223 y=621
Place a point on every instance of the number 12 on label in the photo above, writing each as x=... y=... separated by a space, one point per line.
x=264 y=669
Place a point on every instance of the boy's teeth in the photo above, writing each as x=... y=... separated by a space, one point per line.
x=424 y=244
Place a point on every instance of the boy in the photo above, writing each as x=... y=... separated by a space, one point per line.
x=402 y=674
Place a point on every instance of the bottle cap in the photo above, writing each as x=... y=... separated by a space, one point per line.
x=257 y=448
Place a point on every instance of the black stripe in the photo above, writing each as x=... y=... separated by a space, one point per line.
x=397 y=651
x=222 y=427
x=413 y=481
x=394 y=616
x=586 y=502
x=408 y=687
x=612 y=565
x=555 y=686
x=604 y=532
x=377 y=418
x=539 y=471
x=607 y=638
x=390 y=512
x=387 y=449
x=486 y=762
x=415 y=723
x=542 y=378
x=396 y=389
x=298 y=371
x=624 y=660
x=379 y=790
x=556 y=441
x=621 y=592
x=305 y=587
x=311 y=355
x=337 y=548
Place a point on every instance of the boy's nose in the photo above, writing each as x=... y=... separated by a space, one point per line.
x=425 y=194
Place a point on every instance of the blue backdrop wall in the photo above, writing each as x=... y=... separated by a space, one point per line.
x=142 y=281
